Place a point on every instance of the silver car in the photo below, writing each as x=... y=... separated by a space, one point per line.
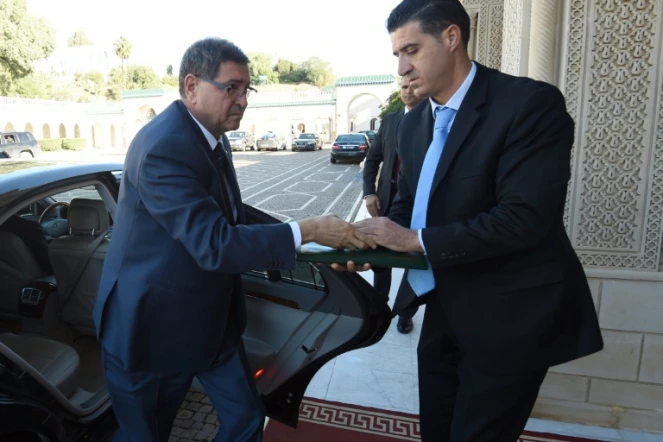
x=271 y=141
x=240 y=140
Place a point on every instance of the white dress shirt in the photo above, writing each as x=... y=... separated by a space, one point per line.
x=296 y=231
x=454 y=103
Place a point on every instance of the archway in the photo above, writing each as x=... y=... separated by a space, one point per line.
x=77 y=131
x=28 y=128
x=362 y=110
x=46 y=131
x=62 y=131
x=9 y=127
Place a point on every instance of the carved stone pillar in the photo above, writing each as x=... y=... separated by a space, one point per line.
x=543 y=43
x=487 y=16
x=515 y=38
x=611 y=77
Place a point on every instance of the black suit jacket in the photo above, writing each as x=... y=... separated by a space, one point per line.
x=510 y=290
x=383 y=150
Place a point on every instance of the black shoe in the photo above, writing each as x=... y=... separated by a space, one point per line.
x=404 y=325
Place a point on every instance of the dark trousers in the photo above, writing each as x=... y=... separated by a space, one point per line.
x=382 y=284
x=460 y=403
x=145 y=403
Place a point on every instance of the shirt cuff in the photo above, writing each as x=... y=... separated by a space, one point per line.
x=297 y=234
x=421 y=240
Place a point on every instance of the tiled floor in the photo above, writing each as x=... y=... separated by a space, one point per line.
x=384 y=376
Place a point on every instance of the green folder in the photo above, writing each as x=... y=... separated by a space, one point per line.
x=380 y=257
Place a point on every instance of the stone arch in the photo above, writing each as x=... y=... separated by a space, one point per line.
x=62 y=131
x=46 y=131
x=362 y=109
x=113 y=137
x=9 y=127
x=94 y=137
x=98 y=136
x=29 y=128
x=77 y=131
x=144 y=115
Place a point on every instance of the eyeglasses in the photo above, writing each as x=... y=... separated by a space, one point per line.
x=232 y=91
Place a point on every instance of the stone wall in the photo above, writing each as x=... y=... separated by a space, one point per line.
x=607 y=58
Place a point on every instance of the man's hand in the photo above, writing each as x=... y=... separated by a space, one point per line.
x=387 y=233
x=373 y=205
x=350 y=267
x=331 y=231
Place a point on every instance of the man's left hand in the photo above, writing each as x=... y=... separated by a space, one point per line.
x=387 y=233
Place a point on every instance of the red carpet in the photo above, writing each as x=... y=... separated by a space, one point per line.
x=325 y=421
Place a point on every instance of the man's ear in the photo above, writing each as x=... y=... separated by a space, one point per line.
x=191 y=83
x=452 y=37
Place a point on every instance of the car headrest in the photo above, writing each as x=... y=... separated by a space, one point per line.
x=88 y=217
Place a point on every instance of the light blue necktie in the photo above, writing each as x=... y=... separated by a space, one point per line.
x=423 y=281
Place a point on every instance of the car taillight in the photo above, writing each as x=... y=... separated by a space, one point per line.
x=335 y=146
x=362 y=147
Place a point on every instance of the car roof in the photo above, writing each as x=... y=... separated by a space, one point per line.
x=18 y=177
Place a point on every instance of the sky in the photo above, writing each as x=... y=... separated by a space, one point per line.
x=350 y=34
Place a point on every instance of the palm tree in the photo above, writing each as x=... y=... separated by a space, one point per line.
x=123 y=50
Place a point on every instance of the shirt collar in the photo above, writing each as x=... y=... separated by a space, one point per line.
x=457 y=98
x=208 y=135
x=405 y=110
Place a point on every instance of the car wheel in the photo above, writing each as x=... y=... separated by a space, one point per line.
x=332 y=160
x=25 y=155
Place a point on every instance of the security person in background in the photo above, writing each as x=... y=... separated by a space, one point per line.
x=378 y=203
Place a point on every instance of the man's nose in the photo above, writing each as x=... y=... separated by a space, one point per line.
x=404 y=66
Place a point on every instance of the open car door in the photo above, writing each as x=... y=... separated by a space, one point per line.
x=301 y=319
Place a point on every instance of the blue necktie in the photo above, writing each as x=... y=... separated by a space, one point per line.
x=423 y=281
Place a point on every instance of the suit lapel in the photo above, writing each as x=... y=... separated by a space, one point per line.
x=465 y=119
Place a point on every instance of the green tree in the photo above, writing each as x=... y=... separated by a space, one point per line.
x=394 y=103
x=169 y=69
x=317 y=71
x=170 y=81
x=135 y=77
x=90 y=82
x=78 y=38
x=25 y=39
x=260 y=65
x=123 y=50
x=288 y=72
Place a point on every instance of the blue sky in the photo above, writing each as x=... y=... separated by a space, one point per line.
x=350 y=34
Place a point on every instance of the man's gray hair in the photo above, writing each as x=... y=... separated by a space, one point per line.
x=204 y=57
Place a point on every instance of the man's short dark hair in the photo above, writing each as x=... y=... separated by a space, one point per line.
x=204 y=57
x=434 y=16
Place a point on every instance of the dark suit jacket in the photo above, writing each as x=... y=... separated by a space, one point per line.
x=509 y=286
x=170 y=297
x=383 y=150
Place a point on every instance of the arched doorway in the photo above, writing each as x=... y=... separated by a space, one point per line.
x=46 y=131
x=77 y=131
x=28 y=128
x=9 y=127
x=62 y=131
x=112 y=136
x=363 y=109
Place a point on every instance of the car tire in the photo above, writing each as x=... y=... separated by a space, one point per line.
x=26 y=155
x=332 y=160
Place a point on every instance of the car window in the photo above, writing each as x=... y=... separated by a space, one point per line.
x=237 y=134
x=304 y=274
x=88 y=192
x=24 y=137
x=9 y=139
x=307 y=136
x=268 y=136
x=351 y=138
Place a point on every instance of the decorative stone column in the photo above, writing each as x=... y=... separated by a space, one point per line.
x=515 y=37
x=487 y=17
x=543 y=42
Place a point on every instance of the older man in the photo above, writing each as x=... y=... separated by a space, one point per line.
x=378 y=202
x=170 y=303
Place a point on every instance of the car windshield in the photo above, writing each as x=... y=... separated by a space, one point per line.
x=268 y=136
x=237 y=135
x=350 y=139
x=307 y=137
